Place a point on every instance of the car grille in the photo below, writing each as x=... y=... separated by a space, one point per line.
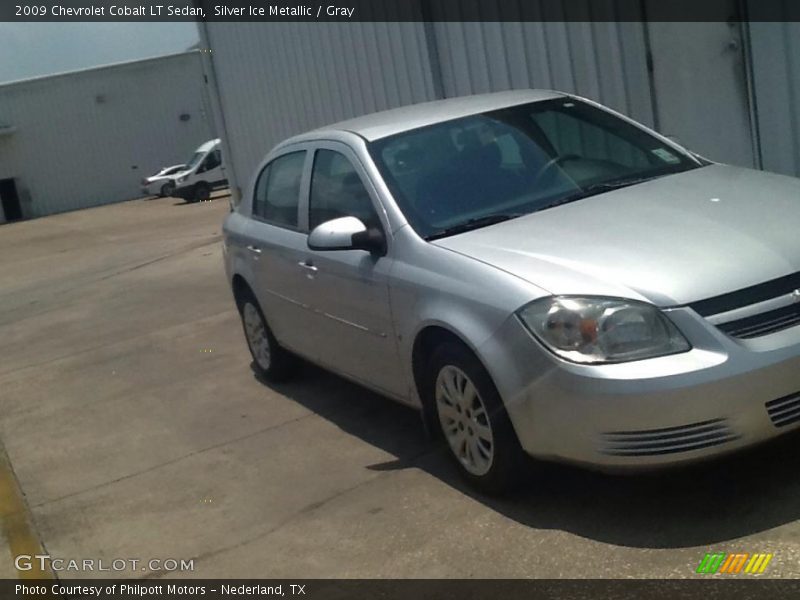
x=784 y=411
x=764 y=323
x=652 y=442
x=783 y=290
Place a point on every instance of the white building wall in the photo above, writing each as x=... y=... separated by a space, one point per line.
x=88 y=137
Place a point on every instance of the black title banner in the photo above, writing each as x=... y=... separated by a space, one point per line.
x=399 y=10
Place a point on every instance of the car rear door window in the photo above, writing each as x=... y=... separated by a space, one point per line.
x=277 y=192
x=337 y=191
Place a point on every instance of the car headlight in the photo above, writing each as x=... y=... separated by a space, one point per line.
x=602 y=330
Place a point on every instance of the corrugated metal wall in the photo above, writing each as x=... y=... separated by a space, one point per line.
x=776 y=81
x=276 y=80
x=80 y=135
x=604 y=61
x=279 y=79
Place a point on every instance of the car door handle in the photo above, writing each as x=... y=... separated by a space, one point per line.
x=254 y=249
x=307 y=265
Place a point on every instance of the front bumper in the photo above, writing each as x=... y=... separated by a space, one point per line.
x=723 y=395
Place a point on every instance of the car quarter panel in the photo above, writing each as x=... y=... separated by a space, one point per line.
x=234 y=248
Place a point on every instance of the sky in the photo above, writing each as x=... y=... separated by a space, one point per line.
x=34 y=49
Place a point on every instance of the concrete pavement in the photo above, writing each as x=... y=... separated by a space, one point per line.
x=135 y=429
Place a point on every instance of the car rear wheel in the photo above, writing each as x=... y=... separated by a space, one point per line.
x=201 y=192
x=270 y=360
x=474 y=421
x=167 y=189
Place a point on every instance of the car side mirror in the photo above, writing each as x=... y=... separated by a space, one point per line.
x=347 y=233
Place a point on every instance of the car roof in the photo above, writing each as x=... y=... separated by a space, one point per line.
x=382 y=124
x=208 y=145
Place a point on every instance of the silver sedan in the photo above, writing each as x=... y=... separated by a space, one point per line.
x=535 y=273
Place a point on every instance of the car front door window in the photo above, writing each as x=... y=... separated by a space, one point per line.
x=337 y=191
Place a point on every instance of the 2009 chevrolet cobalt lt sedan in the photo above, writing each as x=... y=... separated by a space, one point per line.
x=536 y=273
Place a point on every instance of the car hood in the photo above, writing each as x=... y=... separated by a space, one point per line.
x=670 y=241
x=156 y=178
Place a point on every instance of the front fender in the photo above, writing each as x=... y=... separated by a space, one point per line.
x=436 y=287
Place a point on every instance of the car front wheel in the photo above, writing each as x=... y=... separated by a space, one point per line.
x=167 y=189
x=201 y=192
x=474 y=421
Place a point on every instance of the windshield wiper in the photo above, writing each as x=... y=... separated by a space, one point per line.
x=589 y=190
x=471 y=224
x=598 y=188
x=619 y=183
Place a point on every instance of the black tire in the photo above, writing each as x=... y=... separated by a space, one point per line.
x=167 y=189
x=508 y=462
x=201 y=192
x=279 y=363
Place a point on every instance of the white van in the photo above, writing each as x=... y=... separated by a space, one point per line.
x=203 y=173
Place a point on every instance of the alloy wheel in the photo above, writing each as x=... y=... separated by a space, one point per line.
x=465 y=420
x=257 y=337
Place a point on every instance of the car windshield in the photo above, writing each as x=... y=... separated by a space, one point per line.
x=195 y=160
x=478 y=170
